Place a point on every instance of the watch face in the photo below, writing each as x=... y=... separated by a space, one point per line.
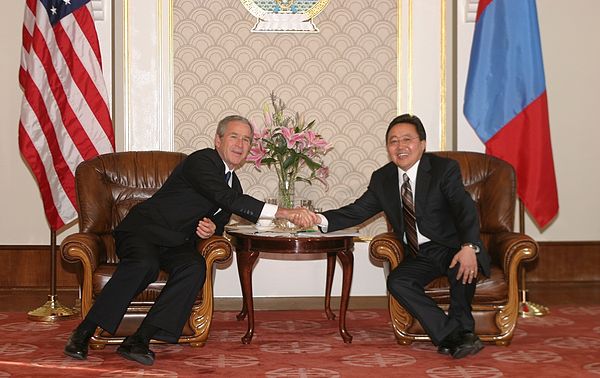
x=473 y=246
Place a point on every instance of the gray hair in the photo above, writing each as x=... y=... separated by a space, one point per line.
x=232 y=118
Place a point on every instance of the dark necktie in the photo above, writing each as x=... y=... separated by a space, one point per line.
x=227 y=177
x=410 y=220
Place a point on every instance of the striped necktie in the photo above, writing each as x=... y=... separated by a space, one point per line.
x=410 y=220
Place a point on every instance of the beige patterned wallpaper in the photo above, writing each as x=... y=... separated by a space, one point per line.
x=344 y=77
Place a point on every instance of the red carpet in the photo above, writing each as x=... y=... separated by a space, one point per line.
x=305 y=344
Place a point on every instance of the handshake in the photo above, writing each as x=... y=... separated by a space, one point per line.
x=300 y=216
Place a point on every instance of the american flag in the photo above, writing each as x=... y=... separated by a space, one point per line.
x=64 y=113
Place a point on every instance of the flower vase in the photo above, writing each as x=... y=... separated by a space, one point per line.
x=285 y=194
x=285 y=198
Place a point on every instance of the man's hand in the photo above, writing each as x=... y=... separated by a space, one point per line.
x=468 y=264
x=300 y=216
x=206 y=228
x=316 y=219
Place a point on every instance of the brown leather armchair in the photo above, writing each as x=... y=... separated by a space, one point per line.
x=491 y=183
x=108 y=186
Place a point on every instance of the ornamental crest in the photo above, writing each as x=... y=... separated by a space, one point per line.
x=285 y=16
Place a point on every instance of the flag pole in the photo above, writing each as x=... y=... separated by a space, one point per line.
x=527 y=309
x=52 y=310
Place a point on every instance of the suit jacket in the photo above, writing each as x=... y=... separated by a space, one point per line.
x=195 y=189
x=445 y=212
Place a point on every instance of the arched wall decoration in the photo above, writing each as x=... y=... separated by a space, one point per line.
x=285 y=16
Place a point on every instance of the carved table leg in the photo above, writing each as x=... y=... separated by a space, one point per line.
x=347 y=259
x=243 y=312
x=328 y=284
x=245 y=262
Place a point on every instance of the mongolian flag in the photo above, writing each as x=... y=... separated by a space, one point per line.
x=505 y=99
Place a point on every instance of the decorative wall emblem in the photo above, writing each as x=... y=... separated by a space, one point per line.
x=285 y=16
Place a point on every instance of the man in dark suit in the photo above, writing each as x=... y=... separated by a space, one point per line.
x=445 y=240
x=196 y=201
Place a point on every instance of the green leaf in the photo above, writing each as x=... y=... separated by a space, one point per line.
x=304 y=180
x=312 y=165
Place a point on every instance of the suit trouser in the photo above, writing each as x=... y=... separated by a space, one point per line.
x=139 y=264
x=407 y=284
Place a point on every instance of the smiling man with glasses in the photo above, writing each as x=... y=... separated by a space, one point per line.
x=425 y=202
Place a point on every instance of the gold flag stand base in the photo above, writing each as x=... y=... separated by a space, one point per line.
x=529 y=310
x=52 y=311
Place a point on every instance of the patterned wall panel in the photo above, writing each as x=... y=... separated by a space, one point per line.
x=343 y=77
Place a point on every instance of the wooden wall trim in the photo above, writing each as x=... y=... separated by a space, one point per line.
x=28 y=266
x=566 y=261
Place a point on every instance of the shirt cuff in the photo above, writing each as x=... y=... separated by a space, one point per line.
x=324 y=223
x=268 y=211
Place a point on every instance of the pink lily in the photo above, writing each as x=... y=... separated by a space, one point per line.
x=291 y=137
x=257 y=153
x=315 y=140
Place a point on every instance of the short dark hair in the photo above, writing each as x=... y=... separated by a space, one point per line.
x=223 y=124
x=408 y=118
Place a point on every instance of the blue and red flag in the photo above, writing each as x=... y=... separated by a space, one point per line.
x=505 y=99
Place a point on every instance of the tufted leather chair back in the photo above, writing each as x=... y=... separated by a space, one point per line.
x=109 y=185
x=491 y=183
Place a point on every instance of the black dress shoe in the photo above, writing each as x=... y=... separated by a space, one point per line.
x=443 y=349
x=446 y=345
x=474 y=339
x=468 y=344
x=77 y=346
x=136 y=349
x=450 y=342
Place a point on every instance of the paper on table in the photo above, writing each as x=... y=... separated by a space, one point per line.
x=352 y=231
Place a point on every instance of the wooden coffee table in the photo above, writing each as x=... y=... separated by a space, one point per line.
x=249 y=245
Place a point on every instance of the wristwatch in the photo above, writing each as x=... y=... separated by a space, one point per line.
x=472 y=246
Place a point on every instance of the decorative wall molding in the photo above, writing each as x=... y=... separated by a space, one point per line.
x=424 y=85
x=471 y=10
x=144 y=74
x=98 y=10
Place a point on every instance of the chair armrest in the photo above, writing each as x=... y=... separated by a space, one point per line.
x=215 y=249
x=386 y=246
x=84 y=247
x=509 y=249
x=87 y=248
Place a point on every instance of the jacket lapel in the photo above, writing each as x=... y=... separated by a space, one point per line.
x=422 y=187
x=235 y=183
x=392 y=190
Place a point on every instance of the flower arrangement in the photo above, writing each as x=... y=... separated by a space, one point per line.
x=291 y=146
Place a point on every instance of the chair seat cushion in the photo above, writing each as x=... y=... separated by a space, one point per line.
x=147 y=297
x=490 y=290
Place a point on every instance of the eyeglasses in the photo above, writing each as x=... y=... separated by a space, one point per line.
x=404 y=141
